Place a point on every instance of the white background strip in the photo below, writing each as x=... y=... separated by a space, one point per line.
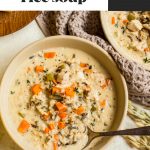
x=52 y=5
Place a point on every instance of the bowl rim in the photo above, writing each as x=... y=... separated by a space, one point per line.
x=106 y=32
x=65 y=37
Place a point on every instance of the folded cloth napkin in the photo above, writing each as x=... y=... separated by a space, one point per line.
x=86 y=24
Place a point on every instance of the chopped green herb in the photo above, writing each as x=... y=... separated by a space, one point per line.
x=36 y=122
x=21 y=114
x=84 y=115
x=105 y=124
x=50 y=86
x=123 y=29
x=49 y=77
x=146 y=60
x=76 y=90
x=60 y=68
x=116 y=25
x=47 y=139
x=31 y=57
x=67 y=62
x=17 y=82
x=102 y=109
x=45 y=71
x=92 y=124
x=73 y=56
x=12 y=92
x=90 y=67
x=93 y=108
x=28 y=81
x=81 y=94
x=34 y=126
x=58 y=97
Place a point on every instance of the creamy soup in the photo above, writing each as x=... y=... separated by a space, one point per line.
x=57 y=95
x=132 y=32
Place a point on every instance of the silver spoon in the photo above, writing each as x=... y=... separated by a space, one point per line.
x=144 y=131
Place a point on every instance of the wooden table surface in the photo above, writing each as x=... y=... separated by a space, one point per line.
x=11 y=21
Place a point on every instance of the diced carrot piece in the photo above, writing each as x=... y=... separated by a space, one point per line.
x=146 y=49
x=56 y=90
x=113 y=20
x=46 y=130
x=56 y=137
x=107 y=82
x=36 y=89
x=125 y=21
x=88 y=71
x=80 y=110
x=51 y=126
x=46 y=116
x=24 y=126
x=61 y=125
x=39 y=69
x=49 y=55
x=69 y=91
x=104 y=86
x=55 y=146
x=103 y=103
x=62 y=115
x=61 y=107
x=83 y=65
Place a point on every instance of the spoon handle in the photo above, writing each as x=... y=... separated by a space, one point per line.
x=134 y=131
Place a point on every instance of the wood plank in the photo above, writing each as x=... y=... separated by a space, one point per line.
x=12 y=21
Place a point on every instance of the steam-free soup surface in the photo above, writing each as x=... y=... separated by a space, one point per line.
x=57 y=94
x=131 y=31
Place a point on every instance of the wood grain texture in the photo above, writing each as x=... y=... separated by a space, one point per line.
x=11 y=21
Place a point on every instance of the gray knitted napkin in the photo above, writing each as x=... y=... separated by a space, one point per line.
x=87 y=25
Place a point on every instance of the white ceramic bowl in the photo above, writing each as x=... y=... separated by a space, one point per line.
x=70 y=42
